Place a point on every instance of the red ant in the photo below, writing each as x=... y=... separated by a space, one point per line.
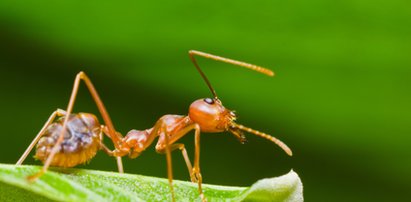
x=84 y=134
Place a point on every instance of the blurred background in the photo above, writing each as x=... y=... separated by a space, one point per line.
x=340 y=98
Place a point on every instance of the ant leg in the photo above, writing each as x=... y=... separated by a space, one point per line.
x=160 y=129
x=185 y=155
x=164 y=144
x=109 y=152
x=60 y=139
x=194 y=172
x=116 y=138
x=50 y=120
x=106 y=149
x=120 y=164
x=169 y=162
x=183 y=150
x=196 y=169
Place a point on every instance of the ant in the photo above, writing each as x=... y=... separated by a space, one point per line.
x=84 y=135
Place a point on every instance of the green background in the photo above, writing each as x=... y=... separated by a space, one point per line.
x=340 y=99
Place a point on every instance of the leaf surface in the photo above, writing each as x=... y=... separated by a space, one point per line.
x=90 y=185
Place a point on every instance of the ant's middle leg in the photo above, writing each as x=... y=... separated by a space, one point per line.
x=166 y=139
x=109 y=152
x=183 y=150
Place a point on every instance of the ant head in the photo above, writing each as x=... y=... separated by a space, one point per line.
x=211 y=115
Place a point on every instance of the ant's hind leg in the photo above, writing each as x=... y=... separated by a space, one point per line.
x=116 y=137
x=50 y=120
x=60 y=138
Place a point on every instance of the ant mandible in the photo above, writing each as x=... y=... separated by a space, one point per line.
x=84 y=133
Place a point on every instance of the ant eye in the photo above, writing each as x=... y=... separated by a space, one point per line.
x=209 y=101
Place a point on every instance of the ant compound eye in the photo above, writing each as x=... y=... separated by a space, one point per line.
x=209 y=101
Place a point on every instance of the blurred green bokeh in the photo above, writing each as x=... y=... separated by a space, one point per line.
x=340 y=99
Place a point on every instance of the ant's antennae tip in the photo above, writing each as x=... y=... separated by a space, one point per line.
x=267 y=72
x=271 y=73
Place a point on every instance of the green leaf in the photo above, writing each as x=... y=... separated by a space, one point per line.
x=90 y=185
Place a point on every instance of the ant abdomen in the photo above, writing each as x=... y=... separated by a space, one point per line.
x=81 y=141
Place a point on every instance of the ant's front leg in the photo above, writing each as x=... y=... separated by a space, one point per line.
x=195 y=174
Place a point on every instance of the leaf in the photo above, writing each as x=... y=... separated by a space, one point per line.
x=90 y=185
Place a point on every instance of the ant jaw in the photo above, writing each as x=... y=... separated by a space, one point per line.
x=243 y=139
x=233 y=116
x=238 y=134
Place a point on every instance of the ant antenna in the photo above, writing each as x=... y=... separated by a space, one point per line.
x=192 y=53
x=278 y=142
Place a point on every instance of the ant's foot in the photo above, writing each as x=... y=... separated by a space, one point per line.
x=34 y=177
x=203 y=199
x=195 y=176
